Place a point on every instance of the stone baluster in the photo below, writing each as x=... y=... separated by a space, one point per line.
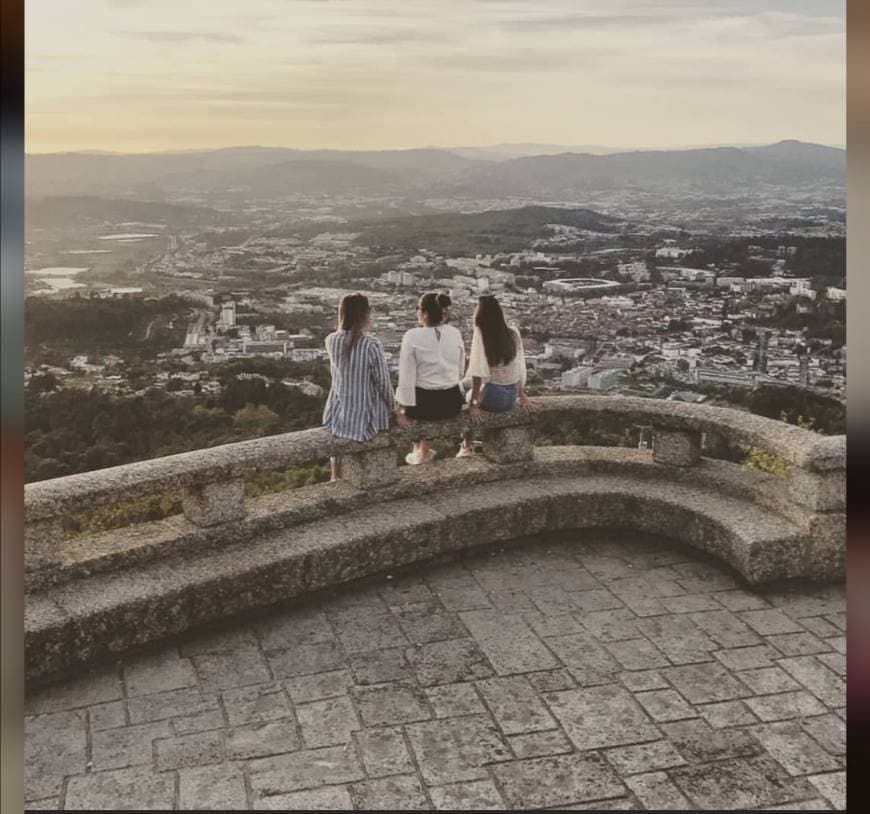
x=214 y=503
x=818 y=491
x=370 y=468
x=676 y=447
x=820 y=501
x=509 y=445
x=42 y=544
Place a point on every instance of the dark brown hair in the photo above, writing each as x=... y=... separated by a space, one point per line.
x=445 y=302
x=499 y=341
x=430 y=305
x=353 y=313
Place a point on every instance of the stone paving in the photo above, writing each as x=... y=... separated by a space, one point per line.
x=575 y=671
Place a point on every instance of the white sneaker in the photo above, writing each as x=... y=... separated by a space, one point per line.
x=465 y=452
x=414 y=459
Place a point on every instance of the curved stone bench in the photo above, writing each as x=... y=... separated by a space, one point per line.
x=102 y=595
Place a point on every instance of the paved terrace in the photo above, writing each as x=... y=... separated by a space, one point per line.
x=583 y=670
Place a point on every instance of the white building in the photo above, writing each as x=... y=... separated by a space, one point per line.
x=725 y=376
x=637 y=271
x=307 y=354
x=604 y=380
x=575 y=378
x=228 y=314
x=672 y=252
x=116 y=293
x=264 y=348
x=617 y=362
x=768 y=283
x=561 y=349
x=800 y=287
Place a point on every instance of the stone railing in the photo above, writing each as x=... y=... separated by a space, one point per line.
x=213 y=480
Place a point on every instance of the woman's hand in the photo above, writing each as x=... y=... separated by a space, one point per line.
x=528 y=405
x=474 y=413
x=402 y=420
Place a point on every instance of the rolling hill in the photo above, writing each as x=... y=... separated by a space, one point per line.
x=493 y=230
x=267 y=172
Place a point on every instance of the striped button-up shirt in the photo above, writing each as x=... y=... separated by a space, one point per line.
x=361 y=397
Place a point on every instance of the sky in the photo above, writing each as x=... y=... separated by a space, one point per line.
x=155 y=75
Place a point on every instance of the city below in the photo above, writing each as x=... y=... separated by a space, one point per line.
x=660 y=290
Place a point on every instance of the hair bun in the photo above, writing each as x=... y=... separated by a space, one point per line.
x=444 y=300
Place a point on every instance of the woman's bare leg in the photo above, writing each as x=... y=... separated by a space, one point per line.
x=335 y=468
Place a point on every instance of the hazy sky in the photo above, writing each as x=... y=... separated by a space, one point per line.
x=139 y=75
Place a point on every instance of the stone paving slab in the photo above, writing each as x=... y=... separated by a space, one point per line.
x=580 y=671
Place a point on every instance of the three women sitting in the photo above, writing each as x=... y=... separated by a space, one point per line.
x=431 y=365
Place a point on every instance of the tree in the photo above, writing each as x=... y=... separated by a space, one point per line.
x=43 y=383
x=256 y=420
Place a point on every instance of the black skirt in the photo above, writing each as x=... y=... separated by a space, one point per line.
x=436 y=405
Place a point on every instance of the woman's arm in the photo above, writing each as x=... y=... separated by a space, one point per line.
x=381 y=374
x=524 y=401
x=521 y=364
x=405 y=393
x=474 y=403
x=477 y=364
x=461 y=357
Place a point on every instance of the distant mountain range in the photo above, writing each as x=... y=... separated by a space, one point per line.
x=253 y=172
x=505 y=152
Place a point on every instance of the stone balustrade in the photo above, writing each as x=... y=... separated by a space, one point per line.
x=94 y=595
x=213 y=479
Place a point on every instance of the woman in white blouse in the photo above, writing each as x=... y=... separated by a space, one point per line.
x=431 y=363
x=497 y=366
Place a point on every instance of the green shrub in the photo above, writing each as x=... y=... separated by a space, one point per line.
x=265 y=483
x=763 y=461
x=125 y=513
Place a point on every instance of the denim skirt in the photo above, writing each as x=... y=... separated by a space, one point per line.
x=498 y=398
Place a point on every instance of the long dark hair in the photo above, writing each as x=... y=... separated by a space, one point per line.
x=499 y=341
x=353 y=313
x=430 y=305
x=445 y=302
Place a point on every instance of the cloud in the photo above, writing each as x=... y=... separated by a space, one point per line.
x=56 y=57
x=373 y=36
x=637 y=17
x=182 y=36
x=562 y=22
x=317 y=95
x=523 y=60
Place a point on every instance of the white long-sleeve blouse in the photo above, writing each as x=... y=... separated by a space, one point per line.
x=430 y=358
x=514 y=372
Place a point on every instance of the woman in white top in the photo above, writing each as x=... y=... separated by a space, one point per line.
x=431 y=363
x=497 y=366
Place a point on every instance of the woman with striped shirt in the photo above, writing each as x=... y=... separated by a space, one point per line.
x=360 y=399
